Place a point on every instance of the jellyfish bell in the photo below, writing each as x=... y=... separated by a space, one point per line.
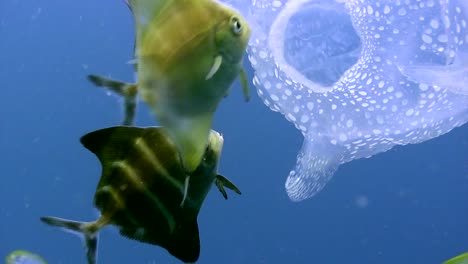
x=358 y=77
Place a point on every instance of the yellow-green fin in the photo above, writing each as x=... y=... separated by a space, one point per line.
x=144 y=12
x=460 y=259
x=245 y=84
x=191 y=138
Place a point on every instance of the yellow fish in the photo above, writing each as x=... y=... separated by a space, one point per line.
x=24 y=257
x=188 y=54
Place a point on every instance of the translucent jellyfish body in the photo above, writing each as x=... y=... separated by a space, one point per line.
x=358 y=77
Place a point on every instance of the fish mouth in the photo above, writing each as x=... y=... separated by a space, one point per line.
x=216 y=140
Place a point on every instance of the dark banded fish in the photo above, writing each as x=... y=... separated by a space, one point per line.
x=141 y=189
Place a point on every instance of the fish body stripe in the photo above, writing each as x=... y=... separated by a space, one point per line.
x=133 y=177
x=149 y=155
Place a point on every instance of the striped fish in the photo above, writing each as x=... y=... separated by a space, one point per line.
x=145 y=192
x=188 y=53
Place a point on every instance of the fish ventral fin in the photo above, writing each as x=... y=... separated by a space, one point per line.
x=218 y=60
x=83 y=229
x=222 y=182
x=186 y=186
x=244 y=84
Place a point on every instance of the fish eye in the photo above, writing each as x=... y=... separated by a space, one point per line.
x=236 y=25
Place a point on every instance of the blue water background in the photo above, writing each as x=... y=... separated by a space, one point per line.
x=417 y=210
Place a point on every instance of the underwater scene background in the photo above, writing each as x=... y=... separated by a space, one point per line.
x=406 y=205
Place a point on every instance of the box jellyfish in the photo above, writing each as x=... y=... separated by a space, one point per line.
x=358 y=77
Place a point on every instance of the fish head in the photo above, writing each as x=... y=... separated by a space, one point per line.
x=232 y=35
x=214 y=147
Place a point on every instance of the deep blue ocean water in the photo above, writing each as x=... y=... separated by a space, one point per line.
x=407 y=206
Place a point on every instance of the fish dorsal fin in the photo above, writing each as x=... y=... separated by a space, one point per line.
x=143 y=11
x=108 y=144
x=174 y=27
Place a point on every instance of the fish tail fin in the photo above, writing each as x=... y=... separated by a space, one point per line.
x=83 y=229
x=127 y=90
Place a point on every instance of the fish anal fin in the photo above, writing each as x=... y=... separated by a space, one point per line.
x=190 y=135
x=185 y=243
x=221 y=182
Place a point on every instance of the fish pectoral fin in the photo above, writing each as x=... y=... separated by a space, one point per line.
x=244 y=84
x=87 y=230
x=218 y=60
x=128 y=91
x=222 y=182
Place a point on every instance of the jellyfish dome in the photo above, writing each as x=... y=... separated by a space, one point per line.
x=358 y=77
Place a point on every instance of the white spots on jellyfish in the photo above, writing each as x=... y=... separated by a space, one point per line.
x=310 y=106
x=291 y=117
x=381 y=84
x=376 y=131
x=274 y=97
x=434 y=23
x=304 y=119
x=343 y=137
x=386 y=9
x=263 y=54
x=398 y=94
x=333 y=107
x=427 y=39
x=277 y=3
x=409 y=112
x=423 y=87
x=349 y=123
x=402 y=11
